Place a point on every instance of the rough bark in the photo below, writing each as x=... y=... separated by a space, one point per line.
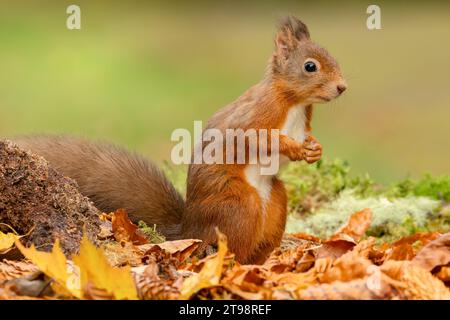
x=34 y=196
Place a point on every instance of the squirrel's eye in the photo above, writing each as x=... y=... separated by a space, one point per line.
x=310 y=66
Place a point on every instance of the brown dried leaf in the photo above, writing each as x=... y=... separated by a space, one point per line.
x=156 y=284
x=251 y=281
x=293 y=282
x=298 y=258
x=394 y=269
x=400 y=252
x=423 y=237
x=355 y=228
x=211 y=272
x=121 y=254
x=352 y=265
x=414 y=282
x=247 y=278
x=422 y=285
x=322 y=265
x=406 y=247
x=106 y=216
x=346 y=268
x=359 y=289
x=444 y=274
x=334 y=248
x=105 y=231
x=305 y=236
x=125 y=230
x=262 y=294
x=16 y=269
x=435 y=253
x=91 y=292
x=290 y=242
x=365 y=248
x=347 y=236
x=181 y=249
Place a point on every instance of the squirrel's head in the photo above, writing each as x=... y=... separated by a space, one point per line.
x=303 y=70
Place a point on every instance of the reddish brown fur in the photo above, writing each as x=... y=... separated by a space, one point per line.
x=219 y=195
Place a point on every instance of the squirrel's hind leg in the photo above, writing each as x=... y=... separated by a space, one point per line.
x=275 y=222
x=238 y=216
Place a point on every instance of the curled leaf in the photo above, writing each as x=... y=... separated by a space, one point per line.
x=125 y=230
x=16 y=269
x=355 y=228
x=210 y=274
x=334 y=248
x=181 y=249
x=347 y=236
x=435 y=253
x=359 y=289
x=422 y=285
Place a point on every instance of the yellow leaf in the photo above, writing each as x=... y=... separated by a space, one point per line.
x=53 y=264
x=96 y=271
x=210 y=273
x=7 y=241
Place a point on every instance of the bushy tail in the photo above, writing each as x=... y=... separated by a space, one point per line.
x=113 y=178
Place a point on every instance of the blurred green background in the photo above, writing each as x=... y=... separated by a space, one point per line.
x=138 y=70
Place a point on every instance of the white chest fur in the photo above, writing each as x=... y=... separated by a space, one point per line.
x=294 y=127
x=295 y=123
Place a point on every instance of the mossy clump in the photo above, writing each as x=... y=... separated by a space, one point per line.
x=322 y=196
x=311 y=186
x=428 y=186
x=326 y=179
x=152 y=234
x=392 y=218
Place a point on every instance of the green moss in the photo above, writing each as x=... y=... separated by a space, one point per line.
x=427 y=186
x=310 y=186
x=153 y=235
x=321 y=197
x=392 y=218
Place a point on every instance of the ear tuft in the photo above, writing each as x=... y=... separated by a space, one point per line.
x=291 y=26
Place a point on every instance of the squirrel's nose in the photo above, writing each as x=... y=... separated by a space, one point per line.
x=341 y=88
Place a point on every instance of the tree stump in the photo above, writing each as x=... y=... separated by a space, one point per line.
x=35 y=197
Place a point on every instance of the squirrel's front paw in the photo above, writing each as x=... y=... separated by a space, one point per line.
x=312 y=150
x=295 y=152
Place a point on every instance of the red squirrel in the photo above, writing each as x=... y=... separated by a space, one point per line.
x=249 y=208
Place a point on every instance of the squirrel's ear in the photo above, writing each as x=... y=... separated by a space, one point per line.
x=291 y=31
x=294 y=27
